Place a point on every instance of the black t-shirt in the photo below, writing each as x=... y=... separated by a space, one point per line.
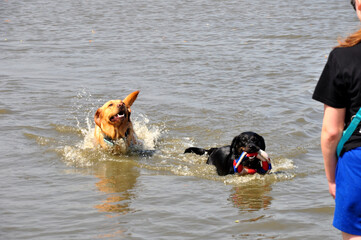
x=340 y=86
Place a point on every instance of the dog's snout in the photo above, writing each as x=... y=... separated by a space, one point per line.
x=120 y=105
x=251 y=148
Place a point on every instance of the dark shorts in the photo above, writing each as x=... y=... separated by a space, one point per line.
x=347 y=216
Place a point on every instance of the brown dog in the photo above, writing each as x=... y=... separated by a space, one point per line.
x=113 y=124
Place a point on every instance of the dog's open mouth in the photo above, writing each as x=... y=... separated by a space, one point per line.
x=118 y=117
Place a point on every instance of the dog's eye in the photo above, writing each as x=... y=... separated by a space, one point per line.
x=110 y=105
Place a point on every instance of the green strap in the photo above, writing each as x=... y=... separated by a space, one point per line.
x=348 y=132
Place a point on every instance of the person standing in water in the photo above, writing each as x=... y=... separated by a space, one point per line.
x=339 y=89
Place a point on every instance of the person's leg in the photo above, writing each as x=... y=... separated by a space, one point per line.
x=346 y=236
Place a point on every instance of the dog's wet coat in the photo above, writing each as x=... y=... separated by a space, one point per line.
x=223 y=157
x=112 y=123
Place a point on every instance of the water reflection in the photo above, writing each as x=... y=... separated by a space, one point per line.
x=252 y=197
x=116 y=180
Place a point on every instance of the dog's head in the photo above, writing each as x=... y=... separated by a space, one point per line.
x=114 y=116
x=249 y=142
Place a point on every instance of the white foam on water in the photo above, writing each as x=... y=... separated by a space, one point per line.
x=165 y=151
x=146 y=135
x=167 y=155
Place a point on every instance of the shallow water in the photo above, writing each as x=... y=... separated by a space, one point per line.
x=207 y=70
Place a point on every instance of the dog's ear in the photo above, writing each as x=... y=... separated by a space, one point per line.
x=234 y=144
x=129 y=100
x=97 y=117
x=262 y=144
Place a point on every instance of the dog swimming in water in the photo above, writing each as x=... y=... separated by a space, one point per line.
x=245 y=155
x=113 y=124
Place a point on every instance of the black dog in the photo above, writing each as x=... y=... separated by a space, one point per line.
x=224 y=157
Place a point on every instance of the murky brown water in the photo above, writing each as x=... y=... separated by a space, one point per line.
x=207 y=70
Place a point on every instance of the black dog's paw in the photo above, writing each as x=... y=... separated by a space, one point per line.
x=198 y=151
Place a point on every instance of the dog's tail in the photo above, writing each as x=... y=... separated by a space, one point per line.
x=199 y=151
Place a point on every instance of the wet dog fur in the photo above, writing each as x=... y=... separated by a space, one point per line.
x=112 y=123
x=223 y=157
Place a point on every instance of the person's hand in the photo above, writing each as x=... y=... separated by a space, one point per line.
x=332 y=189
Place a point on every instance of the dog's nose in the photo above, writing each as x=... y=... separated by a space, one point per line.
x=251 y=148
x=120 y=105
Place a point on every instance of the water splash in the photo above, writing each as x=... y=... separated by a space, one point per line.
x=86 y=152
x=166 y=156
x=161 y=150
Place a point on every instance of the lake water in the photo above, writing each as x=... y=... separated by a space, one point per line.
x=207 y=71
